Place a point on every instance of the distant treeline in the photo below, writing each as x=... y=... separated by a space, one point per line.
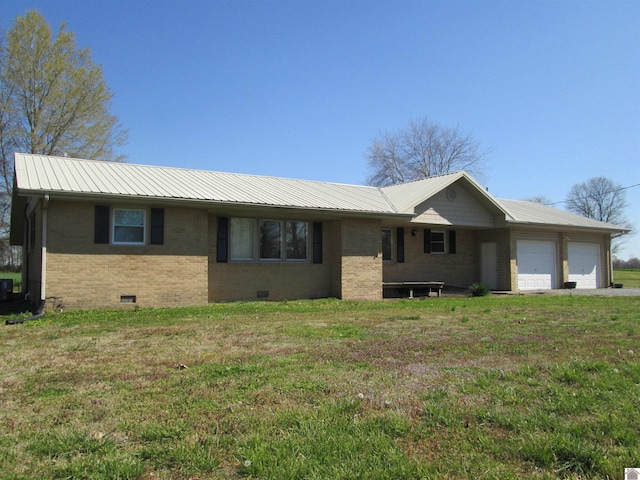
x=626 y=264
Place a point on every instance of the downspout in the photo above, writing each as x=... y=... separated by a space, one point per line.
x=43 y=275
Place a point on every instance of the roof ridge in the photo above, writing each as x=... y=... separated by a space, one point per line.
x=440 y=175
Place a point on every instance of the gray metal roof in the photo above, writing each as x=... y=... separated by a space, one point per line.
x=60 y=175
x=531 y=213
x=41 y=174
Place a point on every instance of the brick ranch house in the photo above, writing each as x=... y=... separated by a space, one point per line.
x=101 y=234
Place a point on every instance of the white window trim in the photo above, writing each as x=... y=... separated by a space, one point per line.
x=144 y=226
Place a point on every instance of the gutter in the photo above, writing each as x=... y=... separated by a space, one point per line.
x=609 y=228
x=214 y=204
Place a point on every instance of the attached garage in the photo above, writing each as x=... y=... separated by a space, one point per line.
x=584 y=259
x=536 y=262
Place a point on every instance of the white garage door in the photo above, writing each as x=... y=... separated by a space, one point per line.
x=584 y=259
x=536 y=265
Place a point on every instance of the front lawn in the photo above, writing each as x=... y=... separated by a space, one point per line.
x=630 y=278
x=517 y=387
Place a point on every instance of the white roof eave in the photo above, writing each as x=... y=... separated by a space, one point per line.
x=203 y=203
x=555 y=226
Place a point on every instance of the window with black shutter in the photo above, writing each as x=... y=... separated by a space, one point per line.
x=101 y=228
x=222 y=255
x=157 y=226
x=427 y=240
x=400 y=245
x=317 y=242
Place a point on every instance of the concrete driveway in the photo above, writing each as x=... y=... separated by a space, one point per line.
x=605 y=292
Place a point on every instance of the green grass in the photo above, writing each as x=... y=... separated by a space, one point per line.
x=518 y=387
x=630 y=278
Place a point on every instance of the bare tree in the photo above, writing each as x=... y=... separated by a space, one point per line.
x=422 y=150
x=601 y=199
x=541 y=199
x=632 y=263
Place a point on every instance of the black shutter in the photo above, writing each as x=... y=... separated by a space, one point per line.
x=223 y=240
x=427 y=240
x=101 y=228
x=317 y=242
x=157 y=226
x=452 y=241
x=400 y=245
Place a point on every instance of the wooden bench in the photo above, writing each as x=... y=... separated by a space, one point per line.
x=430 y=286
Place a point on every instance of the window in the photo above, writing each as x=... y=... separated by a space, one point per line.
x=437 y=242
x=241 y=245
x=251 y=239
x=386 y=246
x=296 y=240
x=270 y=240
x=128 y=227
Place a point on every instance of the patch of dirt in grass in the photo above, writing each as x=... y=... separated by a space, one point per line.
x=428 y=448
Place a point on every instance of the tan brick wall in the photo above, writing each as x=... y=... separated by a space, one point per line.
x=183 y=271
x=361 y=264
x=81 y=274
x=456 y=270
x=279 y=280
x=351 y=268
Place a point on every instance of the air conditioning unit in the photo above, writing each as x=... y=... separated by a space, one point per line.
x=6 y=287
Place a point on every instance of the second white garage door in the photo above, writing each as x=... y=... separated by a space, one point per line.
x=584 y=259
x=536 y=265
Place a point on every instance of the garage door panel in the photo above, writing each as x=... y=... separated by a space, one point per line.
x=584 y=261
x=536 y=265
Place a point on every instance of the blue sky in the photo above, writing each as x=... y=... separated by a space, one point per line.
x=299 y=88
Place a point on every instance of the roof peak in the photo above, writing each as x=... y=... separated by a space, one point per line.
x=432 y=177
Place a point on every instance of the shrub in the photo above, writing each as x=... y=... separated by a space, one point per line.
x=479 y=290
